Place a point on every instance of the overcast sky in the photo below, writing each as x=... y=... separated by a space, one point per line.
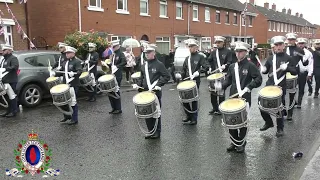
x=309 y=8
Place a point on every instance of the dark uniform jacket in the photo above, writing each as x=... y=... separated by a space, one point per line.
x=225 y=56
x=294 y=50
x=156 y=70
x=63 y=57
x=11 y=64
x=233 y=56
x=196 y=61
x=138 y=61
x=281 y=58
x=120 y=59
x=74 y=66
x=249 y=77
x=94 y=58
x=316 y=62
x=253 y=53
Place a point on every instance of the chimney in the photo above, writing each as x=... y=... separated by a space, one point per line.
x=266 y=5
x=289 y=11
x=284 y=10
x=252 y=2
x=274 y=7
x=301 y=15
x=297 y=14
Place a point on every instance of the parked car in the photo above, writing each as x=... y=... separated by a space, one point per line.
x=33 y=72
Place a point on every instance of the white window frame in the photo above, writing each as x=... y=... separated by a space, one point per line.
x=143 y=13
x=270 y=25
x=7 y=1
x=165 y=4
x=207 y=19
x=278 y=27
x=195 y=8
x=179 y=7
x=227 y=13
x=235 y=15
x=96 y=7
x=218 y=12
x=6 y=34
x=250 y=21
x=274 y=25
x=162 y=37
x=205 y=40
x=125 y=7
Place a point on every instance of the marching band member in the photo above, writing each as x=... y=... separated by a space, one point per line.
x=283 y=61
x=220 y=59
x=141 y=59
x=253 y=53
x=72 y=70
x=316 y=66
x=153 y=75
x=233 y=52
x=62 y=58
x=117 y=64
x=243 y=76
x=305 y=73
x=92 y=63
x=297 y=55
x=191 y=68
x=10 y=64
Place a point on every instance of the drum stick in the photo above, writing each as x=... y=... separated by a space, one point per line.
x=258 y=60
x=65 y=72
x=279 y=69
x=212 y=72
x=236 y=94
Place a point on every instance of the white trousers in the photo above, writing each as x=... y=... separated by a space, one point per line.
x=10 y=91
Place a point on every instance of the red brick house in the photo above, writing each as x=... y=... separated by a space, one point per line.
x=10 y=34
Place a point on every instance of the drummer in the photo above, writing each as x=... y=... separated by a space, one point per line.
x=220 y=59
x=140 y=59
x=249 y=78
x=316 y=67
x=191 y=70
x=232 y=49
x=305 y=72
x=153 y=75
x=72 y=70
x=62 y=58
x=281 y=60
x=92 y=62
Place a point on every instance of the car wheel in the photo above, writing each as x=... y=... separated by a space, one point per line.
x=31 y=95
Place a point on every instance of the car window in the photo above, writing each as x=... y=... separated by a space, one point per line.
x=41 y=60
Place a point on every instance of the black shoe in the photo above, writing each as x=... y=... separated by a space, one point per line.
x=111 y=112
x=193 y=123
x=240 y=149
x=217 y=113
x=310 y=93
x=5 y=114
x=187 y=119
x=147 y=137
x=315 y=95
x=156 y=135
x=211 y=112
x=65 y=119
x=265 y=127
x=117 y=112
x=72 y=122
x=232 y=147
x=279 y=133
x=11 y=115
x=299 y=106
x=289 y=118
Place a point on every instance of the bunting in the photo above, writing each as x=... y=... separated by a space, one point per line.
x=19 y=28
x=244 y=13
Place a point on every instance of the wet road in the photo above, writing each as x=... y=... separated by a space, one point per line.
x=104 y=146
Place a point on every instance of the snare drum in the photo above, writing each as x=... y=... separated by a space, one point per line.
x=188 y=91
x=291 y=82
x=270 y=97
x=107 y=83
x=61 y=94
x=217 y=77
x=2 y=89
x=85 y=79
x=234 y=113
x=145 y=104
x=52 y=81
x=106 y=69
x=135 y=77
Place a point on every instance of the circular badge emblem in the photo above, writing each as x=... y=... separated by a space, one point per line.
x=32 y=155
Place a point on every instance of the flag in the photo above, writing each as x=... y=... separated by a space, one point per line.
x=19 y=28
x=107 y=52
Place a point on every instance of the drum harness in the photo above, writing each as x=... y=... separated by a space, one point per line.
x=157 y=114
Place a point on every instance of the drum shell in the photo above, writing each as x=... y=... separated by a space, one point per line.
x=291 y=84
x=212 y=87
x=107 y=86
x=188 y=94
x=61 y=98
x=270 y=103
x=51 y=84
x=85 y=81
x=145 y=110
x=234 y=119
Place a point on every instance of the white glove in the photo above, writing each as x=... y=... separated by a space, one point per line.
x=209 y=72
x=196 y=74
x=284 y=66
x=263 y=69
x=87 y=62
x=223 y=67
x=114 y=69
x=135 y=86
x=178 y=76
x=218 y=86
x=71 y=74
x=52 y=73
x=103 y=63
x=246 y=90
x=2 y=70
x=59 y=68
x=157 y=88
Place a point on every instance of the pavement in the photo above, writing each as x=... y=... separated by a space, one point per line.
x=104 y=146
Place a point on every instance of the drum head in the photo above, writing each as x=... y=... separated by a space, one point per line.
x=59 y=88
x=145 y=97
x=231 y=105
x=106 y=78
x=136 y=75
x=84 y=74
x=215 y=76
x=50 y=79
x=290 y=76
x=186 y=85
x=107 y=61
x=271 y=91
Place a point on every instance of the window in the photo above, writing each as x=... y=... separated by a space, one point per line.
x=285 y=28
x=195 y=13
x=270 y=25
x=144 y=7
x=217 y=16
x=274 y=26
x=6 y=35
x=207 y=14
x=250 y=18
x=122 y=6
x=163 y=45
x=278 y=27
x=205 y=43
x=289 y=28
x=95 y=5
x=121 y=38
x=227 y=18
x=281 y=27
x=243 y=19
x=235 y=18
x=7 y=1
x=163 y=8
x=41 y=60
x=178 y=10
